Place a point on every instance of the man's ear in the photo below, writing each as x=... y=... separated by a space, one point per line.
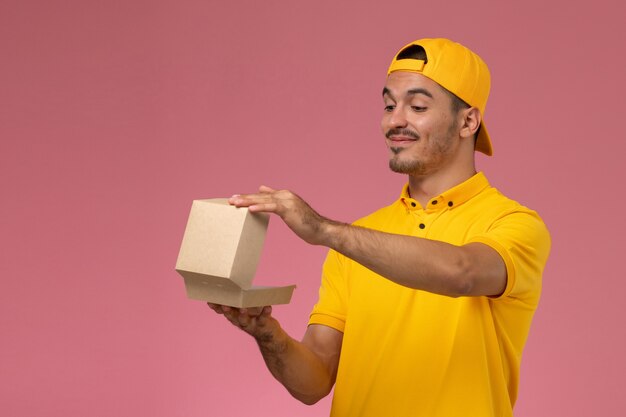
x=470 y=122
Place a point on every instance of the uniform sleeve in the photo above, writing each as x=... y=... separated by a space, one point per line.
x=523 y=241
x=331 y=308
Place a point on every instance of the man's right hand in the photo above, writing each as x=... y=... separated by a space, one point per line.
x=254 y=320
x=307 y=369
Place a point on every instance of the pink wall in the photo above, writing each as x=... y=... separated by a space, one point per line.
x=114 y=115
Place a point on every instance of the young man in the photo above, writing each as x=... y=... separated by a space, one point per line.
x=425 y=305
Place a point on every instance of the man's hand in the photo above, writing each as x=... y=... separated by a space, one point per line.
x=295 y=212
x=307 y=369
x=253 y=321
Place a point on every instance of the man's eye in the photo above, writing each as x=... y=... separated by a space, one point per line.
x=418 y=108
x=389 y=108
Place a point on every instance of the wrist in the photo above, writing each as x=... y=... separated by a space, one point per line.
x=269 y=333
x=272 y=340
x=331 y=233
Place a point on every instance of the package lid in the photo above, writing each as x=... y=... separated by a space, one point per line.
x=222 y=241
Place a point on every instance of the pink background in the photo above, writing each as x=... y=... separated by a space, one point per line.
x=114 y=115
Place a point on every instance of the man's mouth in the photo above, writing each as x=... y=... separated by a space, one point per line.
x=401 y=140
x=397 y=144
x=400 y=136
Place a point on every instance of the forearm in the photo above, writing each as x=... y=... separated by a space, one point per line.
x=294 y=365
x=473 y=269
x=413 y=262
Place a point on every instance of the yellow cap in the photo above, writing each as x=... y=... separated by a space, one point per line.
x=458 y=70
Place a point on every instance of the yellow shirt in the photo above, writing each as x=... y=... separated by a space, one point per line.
x=412 y=353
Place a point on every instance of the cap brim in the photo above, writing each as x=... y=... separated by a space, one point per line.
x=483 y=143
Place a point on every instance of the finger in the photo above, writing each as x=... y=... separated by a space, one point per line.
x=233 y=317
x=243 y=319
x=264 y=316
x=264 y=207
x=266 y=189
x=234 y=321
x=215 y=307
x=243 y=199
x=232 y=199
x=255 y=311
x=250 y=199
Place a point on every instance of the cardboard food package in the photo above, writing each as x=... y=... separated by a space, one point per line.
x=219 y=255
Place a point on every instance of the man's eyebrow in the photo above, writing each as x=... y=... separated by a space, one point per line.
x=414 y=91
x=411 y=92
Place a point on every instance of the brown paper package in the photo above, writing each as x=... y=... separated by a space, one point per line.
x=219 y=255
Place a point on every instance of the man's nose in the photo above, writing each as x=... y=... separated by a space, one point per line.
x=398 y=118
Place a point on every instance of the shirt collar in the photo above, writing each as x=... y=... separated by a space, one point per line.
x=451 y=198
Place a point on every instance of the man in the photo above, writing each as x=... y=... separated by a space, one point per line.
x=425 y=305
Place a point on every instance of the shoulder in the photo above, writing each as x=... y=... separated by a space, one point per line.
x=494 y=205
x=516 y=231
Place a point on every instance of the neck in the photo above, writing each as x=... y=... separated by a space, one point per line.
x=424 y=187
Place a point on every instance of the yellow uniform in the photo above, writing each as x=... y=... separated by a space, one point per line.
x=412 y=353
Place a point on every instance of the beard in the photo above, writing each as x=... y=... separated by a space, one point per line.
x=400 y=166
x=439 y=147
x=395 y=163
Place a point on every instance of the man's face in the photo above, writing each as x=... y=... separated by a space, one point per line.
x=420 y=128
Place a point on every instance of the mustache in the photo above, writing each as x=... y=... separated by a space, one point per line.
x=401 y=132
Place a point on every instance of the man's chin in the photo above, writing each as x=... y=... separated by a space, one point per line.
x=402 y=167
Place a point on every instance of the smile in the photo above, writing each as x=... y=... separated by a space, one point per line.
x=400 y=141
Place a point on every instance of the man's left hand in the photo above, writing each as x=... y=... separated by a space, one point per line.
x=295 y=212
